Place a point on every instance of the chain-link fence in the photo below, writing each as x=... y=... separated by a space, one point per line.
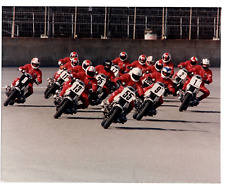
x=112 y=22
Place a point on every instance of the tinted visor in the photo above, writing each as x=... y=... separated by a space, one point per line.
x=136 y=77
x=159 y=67
x=123 y=57
x=92 y=74
x=166 y=74
x=35 y=64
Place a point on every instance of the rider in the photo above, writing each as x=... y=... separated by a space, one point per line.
x=129 y=79
x=163 y=77
x=33 y=69
x=166 y=58
x=140 y=63
x=83 y=67
x=206 y=74
x=67 y=59
x=105 y=69
x=90 y=86
x=121 y=62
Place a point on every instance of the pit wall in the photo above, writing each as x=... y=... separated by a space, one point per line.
x=19 y=51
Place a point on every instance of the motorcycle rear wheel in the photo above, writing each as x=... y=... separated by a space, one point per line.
x=117 y=111
x=12 y=96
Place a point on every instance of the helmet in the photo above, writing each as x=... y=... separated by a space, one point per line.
x=142 y=59
x=135 y=74
x=166 y=72
x=205 y=63
x=90 y=71
x=159 y=65
x=166 y=57
x=86 y=63
x=73 y=55
x=123 y=56
x=35 y=63
x=194 y=60
x=107 y=65
x=74 y=62
x=149 y=60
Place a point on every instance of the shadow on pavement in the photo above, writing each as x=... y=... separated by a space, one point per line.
x=175 y=121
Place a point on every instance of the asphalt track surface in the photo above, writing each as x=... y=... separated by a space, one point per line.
x=171 y=147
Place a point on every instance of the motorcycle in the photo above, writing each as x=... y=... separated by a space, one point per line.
x=151 y=97
x=54 y=86
x=69 y=103
x=101 y=80
x=16 y=94
x=179 y=80
x=115 y=69
x=189 y=97
x=116 y=110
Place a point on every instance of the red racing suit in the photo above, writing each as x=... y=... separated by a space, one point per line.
x=136 y=64
x=128 y=82
x=206 y=78
x=69 y=67
x=158 y=78
x=169 y=64
x=64 y=61
x=121 y=64
x=187 y=65
x=90 y=85
x=36 y=76
x=109 y=74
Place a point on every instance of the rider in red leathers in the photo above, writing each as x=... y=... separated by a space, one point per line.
x=33 y=69
x=68 y=59
x=140 y=63
x=166 y=58
x=90 y=86
x=83 y=67
x=206 y=74
x=105 y=69
x=129 y=79
x=121 y=62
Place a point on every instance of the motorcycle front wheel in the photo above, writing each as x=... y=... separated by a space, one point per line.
x=186 y=101
x=12 y=96
x=62 y=108
x=51 y=91
x=144 y=110
x=107 y=122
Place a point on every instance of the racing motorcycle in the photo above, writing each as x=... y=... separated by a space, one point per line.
x=69 y=103
x=189 y=97
x=16 y=94
x=101 y=80
x=179 y=80
x=54 y=86
x=114 y=112
x=151 y=97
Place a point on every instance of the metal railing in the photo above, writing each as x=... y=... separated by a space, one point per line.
x=112 y=22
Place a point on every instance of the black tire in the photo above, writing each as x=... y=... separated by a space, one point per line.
x=51 y=91
x=185 y=103
x=144 y=110
x=135 y=115
x=48 y=87
x=117 y=111
x=12 y=96
x=61 y=108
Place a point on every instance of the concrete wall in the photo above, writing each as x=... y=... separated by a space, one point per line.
x=19 y=51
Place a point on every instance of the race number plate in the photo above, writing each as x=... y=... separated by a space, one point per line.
x=196 y=82
x=157 y=89
x=101 y=80
x=147 y=81
x=127 y=94
x=182 y=74
x=77 y=88
x=115 y=69
x=64 y=75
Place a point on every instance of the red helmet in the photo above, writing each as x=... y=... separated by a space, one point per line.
x=142 y=59
x=159 y=65
x=73 y=55
x=86 y=63
x=166 y=57
x=149 y=60
x=194 y=60
x=123 y=56
x=35 y=63
x=74 y=62
x=90 y=71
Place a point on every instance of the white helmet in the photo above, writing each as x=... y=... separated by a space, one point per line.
x=86 y=63
x=149 y=60
x=166 y=72
x=90 y=71
x=35 y=63
x=205 y=63
x=136 y=74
